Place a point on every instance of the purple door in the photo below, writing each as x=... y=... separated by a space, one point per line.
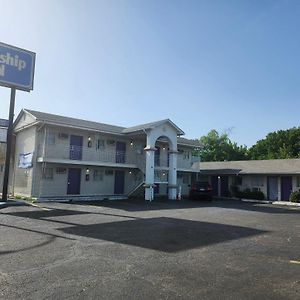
x=120 y=152
x=76 y=147
x=119 y=182
x=156 y=188
x=214 y=185
x=272 y=188
x=286 y=187
x=74 y=178
x=224 y=186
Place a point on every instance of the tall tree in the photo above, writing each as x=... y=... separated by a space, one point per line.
x=218 y=147
x=278 y=144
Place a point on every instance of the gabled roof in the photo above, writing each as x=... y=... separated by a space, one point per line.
x=151 y=126
x=272 y=166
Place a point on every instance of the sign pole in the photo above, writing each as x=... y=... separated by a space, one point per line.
x=9 y=143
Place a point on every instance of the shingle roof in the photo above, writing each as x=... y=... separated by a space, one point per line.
x=187 y=142
x=273 y=166
x=90 y=125
x=51 y=118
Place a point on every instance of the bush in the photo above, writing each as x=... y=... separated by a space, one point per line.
x=295 y=196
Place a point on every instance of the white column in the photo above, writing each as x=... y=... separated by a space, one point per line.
x=149 y=180
x=172 y=175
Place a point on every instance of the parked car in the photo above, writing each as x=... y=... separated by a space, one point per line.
x=201 y=190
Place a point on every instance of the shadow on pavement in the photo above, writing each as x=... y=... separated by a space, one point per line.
x=257 y=207
x=133 y=205
x=163 y=234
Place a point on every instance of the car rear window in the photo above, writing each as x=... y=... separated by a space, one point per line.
x=202 y=184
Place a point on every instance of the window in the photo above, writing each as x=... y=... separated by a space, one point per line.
x=98 y=175
x=50 y=138
x=109 y=172
x=63 y=136
x=257 y=181
x=186 y=154
x=1 y=168
x=61 y=170
x=48 y=173
x=298 y=181
x=100 y=144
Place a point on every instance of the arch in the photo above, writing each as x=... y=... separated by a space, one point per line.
x=168 y=132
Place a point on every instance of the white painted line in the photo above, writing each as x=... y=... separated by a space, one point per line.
x=295 y=262
x=40 y=207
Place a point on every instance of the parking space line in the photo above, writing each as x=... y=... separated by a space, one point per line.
x=40 y=207
x=295 y=262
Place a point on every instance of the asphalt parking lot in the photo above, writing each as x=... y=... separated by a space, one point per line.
x=158 y=250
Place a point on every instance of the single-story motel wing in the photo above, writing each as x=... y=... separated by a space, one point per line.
x=57 y=157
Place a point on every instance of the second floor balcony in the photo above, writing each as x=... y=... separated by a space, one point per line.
x=72 y=154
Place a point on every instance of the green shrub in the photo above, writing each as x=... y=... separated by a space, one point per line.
x=295 y=196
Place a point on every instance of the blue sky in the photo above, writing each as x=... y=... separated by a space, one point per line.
x=203 y=64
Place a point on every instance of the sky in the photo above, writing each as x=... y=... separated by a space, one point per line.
x=230 y=65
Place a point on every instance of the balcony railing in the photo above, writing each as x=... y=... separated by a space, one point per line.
x=72 y=152
x=67 y=152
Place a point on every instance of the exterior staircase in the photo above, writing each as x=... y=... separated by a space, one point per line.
x=138 y=191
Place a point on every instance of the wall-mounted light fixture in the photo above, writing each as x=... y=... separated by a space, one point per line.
x=87 y=174
x=89 y=142
x=131 y=143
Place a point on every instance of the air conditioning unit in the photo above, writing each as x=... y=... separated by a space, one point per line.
x=63 y=136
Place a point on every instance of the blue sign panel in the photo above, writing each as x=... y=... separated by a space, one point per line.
x=16 y=67
x=3 y=123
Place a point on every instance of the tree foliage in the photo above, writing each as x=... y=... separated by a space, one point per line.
x=218 y=147
x=279 y=144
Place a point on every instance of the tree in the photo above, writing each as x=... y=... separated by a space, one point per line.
x=218 y=147
x=279 y=144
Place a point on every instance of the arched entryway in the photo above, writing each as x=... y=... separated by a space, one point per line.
x=166 y=133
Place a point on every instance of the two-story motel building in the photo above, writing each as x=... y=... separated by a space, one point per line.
x=63 y=157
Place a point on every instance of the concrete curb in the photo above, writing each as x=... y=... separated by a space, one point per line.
x=12 y=203
x=286 y=203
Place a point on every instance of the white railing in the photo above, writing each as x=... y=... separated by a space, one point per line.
x=63 y=151
x=59 y=151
